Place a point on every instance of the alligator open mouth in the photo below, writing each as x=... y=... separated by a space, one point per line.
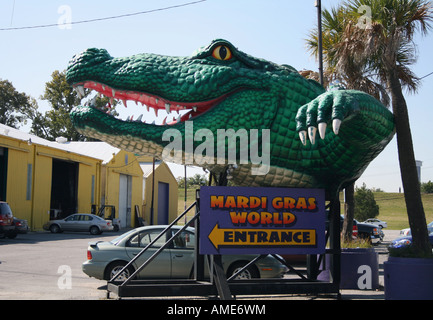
x=173 y=108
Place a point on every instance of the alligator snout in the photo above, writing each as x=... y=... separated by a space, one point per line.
x=87 y=59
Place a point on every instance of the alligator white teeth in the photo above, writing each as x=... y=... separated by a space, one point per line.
x=167 y=108
x=312 y=134
x=322 y=130
x=303 y=137
x=336 y=123
x=194 y=108
x=113 y=92
x=80 y=91
x=103 y=87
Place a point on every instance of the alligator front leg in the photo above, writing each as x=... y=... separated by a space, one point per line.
x=361 y=128
x=355 y=116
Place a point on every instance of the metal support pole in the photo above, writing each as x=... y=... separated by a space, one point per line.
x=318 y=4
x=334 y=240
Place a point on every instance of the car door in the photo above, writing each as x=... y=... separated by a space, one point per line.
x=160 y=267
x=84 y=222
x=70 y=223
x=182 y=254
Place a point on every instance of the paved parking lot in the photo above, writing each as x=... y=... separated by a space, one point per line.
x=46 y=266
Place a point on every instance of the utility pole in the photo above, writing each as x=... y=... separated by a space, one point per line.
x=318 y=5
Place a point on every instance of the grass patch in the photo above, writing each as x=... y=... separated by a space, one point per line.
x=392 y=209
x=356 y=243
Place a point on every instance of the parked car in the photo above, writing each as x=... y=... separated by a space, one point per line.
x=370 y=232
x=79 y=222
x=20 y=226
x=106 y=259
x=7 y=226
x=377 y=222
x=407 y=241
x=407 y=232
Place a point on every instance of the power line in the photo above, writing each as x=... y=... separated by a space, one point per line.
x=426 y=76
x=106 y=18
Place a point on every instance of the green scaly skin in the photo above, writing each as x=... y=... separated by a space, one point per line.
x=225 y=88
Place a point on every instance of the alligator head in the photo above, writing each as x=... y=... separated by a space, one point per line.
x=219 y=89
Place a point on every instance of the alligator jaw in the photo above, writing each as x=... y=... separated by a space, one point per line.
x=152 y=101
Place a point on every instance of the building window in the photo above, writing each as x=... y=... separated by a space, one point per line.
x=29 y=182
x=93 y=190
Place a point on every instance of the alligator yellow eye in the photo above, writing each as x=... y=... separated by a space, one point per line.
x=222 y=53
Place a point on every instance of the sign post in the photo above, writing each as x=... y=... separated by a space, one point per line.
x=245 y=220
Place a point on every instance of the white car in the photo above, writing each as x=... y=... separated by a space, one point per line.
x=80 y=222
x=406 y=232
x=377 y=222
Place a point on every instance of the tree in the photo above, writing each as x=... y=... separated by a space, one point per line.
x=15 y=107
x=365 y=204
x=192 y=182
x=62 y=98
x=378 y=47
x=427 y=187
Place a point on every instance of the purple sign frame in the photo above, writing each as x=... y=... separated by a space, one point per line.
x=248 y=220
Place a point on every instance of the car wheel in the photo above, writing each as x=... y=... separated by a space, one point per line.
x=114 y=268
x=55 y=228
x=12 y=234
x=249 y=273
x=94 y=231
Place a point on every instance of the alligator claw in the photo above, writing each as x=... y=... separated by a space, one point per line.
x=312 y=134
x=322 y=129
x=336 y=123
x=303 y=137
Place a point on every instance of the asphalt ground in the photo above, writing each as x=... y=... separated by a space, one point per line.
x=46 y=266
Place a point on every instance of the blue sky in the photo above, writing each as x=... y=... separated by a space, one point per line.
x=274 y=30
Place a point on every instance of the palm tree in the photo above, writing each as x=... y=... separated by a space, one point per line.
x=373 y=52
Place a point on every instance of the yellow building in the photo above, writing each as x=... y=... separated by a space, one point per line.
x=159 y=182
x=41 y=179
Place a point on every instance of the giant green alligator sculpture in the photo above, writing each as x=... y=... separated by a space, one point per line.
x=315 y=138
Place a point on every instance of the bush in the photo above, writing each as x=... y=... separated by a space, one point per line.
x=365 y=205
x=427 y=187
